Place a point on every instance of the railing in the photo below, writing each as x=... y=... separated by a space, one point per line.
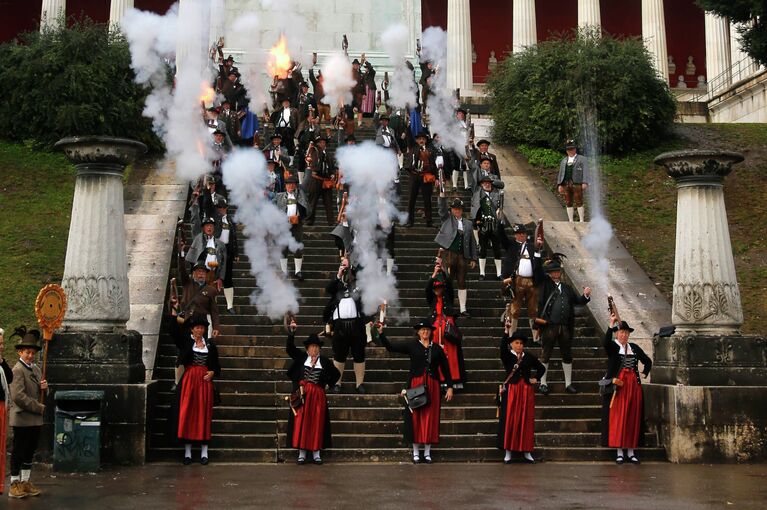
x=739 y=71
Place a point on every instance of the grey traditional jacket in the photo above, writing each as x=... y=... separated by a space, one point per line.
x=26 y=409
x=580 y=170
x=479 y=193
x=449 y=229
x=198 y=247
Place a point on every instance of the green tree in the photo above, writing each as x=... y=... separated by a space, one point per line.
x=752 y=15
x=541 y=96
x=67 y=81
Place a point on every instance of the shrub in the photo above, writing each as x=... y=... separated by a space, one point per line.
x=539 y=94
x=67 y=81
x=540 y=156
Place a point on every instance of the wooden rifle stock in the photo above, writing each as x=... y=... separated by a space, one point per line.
x=342 y=208
x=612 y=308
x=539 y=230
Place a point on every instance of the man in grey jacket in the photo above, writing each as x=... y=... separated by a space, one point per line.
x=572 y=180
x=209 y=250
x=460 y=248
x=486 y=204
x=294 y=204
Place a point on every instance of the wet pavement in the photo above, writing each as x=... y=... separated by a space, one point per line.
x=654 y=486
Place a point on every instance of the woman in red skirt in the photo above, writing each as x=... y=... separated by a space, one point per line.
x=439 y=296
x=199 y=356
x=516 y=417
x=623 y=410
x=309 y=425
x=6 y=377
x=426 y=358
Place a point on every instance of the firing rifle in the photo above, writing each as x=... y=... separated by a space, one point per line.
x=539 y=230
x=612 y=308
x=342 y=208
x=287 y=320
x=345 y=45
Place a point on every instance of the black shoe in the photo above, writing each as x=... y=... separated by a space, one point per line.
x=486 y=277
x=231 y=311
x=416 y=460
x=187 y=461
x=427 y=459
x=361 y=389
x=317 y=461
x=499 y=277
x=509 y=461
x=544 y=389
x=528 y=461
x=336 y=388
x=466 y=314
x=571 y=389
x=173 y=388
x=634 y=460
x=619 y=459
x=204 y=461
x=299 y=276
x=301 y=461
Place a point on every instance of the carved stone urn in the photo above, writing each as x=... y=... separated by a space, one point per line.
x=96 y=268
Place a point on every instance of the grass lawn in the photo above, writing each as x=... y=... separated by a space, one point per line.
x=641 y=204
x=35 y=207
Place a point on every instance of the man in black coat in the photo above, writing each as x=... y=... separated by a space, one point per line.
x=556 y=315
x=522 y=273
x=226 y=232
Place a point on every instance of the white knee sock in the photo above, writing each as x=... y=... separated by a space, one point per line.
x=369 y=331
x=620 y=452
x=359 y=373
x=204 y=451
x=545 y=374
x=229 y=296
x=497 y=267
x=514 y=323
x=476 y=235
x=462 y=296
x=25 y=474
x=570 y=214
x=301 y=177
x=482 y=265
x=507 y=457
x=415 y=450
x=536 y=333
x=567 y=368
x=630 y=452
x=466 y=180
x=582 y=214
x=340 y=367
x=316 y=455
x=389 y=266
x=284 y=266
x=455 y=178
x=179 y=373
x=427 y=450
x=188 y=450
x=301 y=454
x=15 y=479
x=299 y=263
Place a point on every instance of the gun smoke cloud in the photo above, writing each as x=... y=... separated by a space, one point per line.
x=402 y=87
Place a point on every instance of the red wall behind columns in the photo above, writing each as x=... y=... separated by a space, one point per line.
x=19 y=17
x=685 y=36
x=97 y=10
x=555 y=16
x=622 y=17
x=433 y=14
x=158 y=6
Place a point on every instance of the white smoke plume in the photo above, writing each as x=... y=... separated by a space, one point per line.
x=370 y=171
x=441 y=102
x=175 y=112
x=402 y=87
x=338 y=82
x=267 y=229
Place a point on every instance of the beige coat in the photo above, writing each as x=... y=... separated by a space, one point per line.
x=26 y=410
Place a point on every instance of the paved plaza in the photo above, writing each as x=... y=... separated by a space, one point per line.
x=653 y=486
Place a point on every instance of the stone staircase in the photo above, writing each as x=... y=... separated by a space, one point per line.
x=250 y=424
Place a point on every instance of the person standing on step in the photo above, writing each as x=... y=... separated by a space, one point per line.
x=26 y=414
x=344 y=312
x=486 y=212
x=226 y=232
x=294 y=204
x=458 y=164
x=323 y=109
x=439 y=297
x=6 y=378
x=285 y=122
x=321 y=179
x=426 y=361
x=482 y=152
x=199 y=356
x=420 y=162
x=623 y=410
x=209 y=250
x=278 y=153
x=572 y=181
x=516 y=417
x=556 y=315
x=385 y=136
x=310 y=373
x=523 y=274
x=456 y=238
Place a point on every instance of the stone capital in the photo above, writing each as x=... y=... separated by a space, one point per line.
x=698 y=166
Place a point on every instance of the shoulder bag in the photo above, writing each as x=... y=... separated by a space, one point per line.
x=418 y=396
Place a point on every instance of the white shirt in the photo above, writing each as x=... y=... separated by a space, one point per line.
x=210 y=257
x=623 y=349
x=460 y=223
x=386 y=137
x=203 y=349
x=570 y=159
x=225 y=227
x=292 y=208
x=525 y=268
x=347 y=309
x=285 y=121
x=308 y=362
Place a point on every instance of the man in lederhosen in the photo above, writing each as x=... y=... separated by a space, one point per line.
x=486 y=213
x=278 y=153
x=556 y=315
x=420 y=162
x=226 y=232
x=285 y=122
x=456 y=239
x=294 y=204
x=344 y=312
x=522 y=273
x=572 y=181
x=206 y=248
x=320 y=181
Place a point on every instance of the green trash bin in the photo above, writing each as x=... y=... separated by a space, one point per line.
x=77 y=433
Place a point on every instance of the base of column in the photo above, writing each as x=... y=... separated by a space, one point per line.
x=85 y=357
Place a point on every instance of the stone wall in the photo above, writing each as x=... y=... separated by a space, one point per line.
x=744 y=102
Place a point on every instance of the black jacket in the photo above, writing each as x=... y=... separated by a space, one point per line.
x=448 y=296
x=183 y=340
x=570 y=299
x=329 y=376
x=8 y=379
x=528 y=363
x=614 y=358
x=510 y=262
x=335 y=289
x=418 y=354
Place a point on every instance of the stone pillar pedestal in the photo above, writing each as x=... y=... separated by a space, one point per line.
x=459 y=71
x=709 y=382
x=523 y=30
x=654 y=35
x=717 y=51
x=50 y=12
x=117 y=9
x=589 y=14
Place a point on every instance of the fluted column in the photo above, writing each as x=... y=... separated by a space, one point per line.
x=524 y=32
x=743 y=65
x=96 y=268
x=589 y=13
x=459 y=71
x=117 y=9
x=706 y=299
x=654 y=35
x=51 y=11
x=193 y=18
x=717 y=51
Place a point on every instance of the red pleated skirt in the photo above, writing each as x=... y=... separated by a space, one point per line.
x=520 y=417
x=452 y=353
x=196 y=407
x=626 y=412
x=3 y=437
x=426 y=418
x=309 y=421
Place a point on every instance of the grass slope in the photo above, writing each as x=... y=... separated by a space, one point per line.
x=641 y=205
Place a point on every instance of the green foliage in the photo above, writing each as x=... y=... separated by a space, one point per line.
x=540 y=156
x=74 y=80
x=542 y=95
x=753 y=13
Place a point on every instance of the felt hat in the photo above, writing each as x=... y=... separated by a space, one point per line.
x=275 y=136
x=355 y=61
x=200 y=265
x=221 y=203
x=218 y=132
x=486 y=178
x=625 y=325
x=457 y=203
x=28 y=339
x=313 y=339
x=552 y=265
x=461 y=110
x=517 y=336
x=570 y=144
x=291 y=180
x=485 y=158
x=483 y=142
x=383 y=117
x=320 y=138
x=208 y=221
x=519 y=228
x=350 y=138
x=424 y=323
x=422 y=134
x=197 y=320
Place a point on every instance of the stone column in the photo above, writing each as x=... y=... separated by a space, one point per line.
x=50 y=12
x=589 y=14
x=191 y=53
x=96 y=268
x=117 y=9
x=459 y=71
x=654 y=35
x=717 y=52
x=743 y=65
x=524 y=32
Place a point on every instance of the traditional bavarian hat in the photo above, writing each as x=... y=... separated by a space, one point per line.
x=200 y=265
x=519 y=228
x=552 y=265
x=625 y=325
x=275 y=135
x=218 y=132
x=313 y=339
x=208 y=221
x=28 y=339
x=483 y=142
x=570 y=144
x=423 y=323
x=221 y=203
x=517 y=336
x=291 y=180
x=486 y=178
x=197 y=320
x=457 y=203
